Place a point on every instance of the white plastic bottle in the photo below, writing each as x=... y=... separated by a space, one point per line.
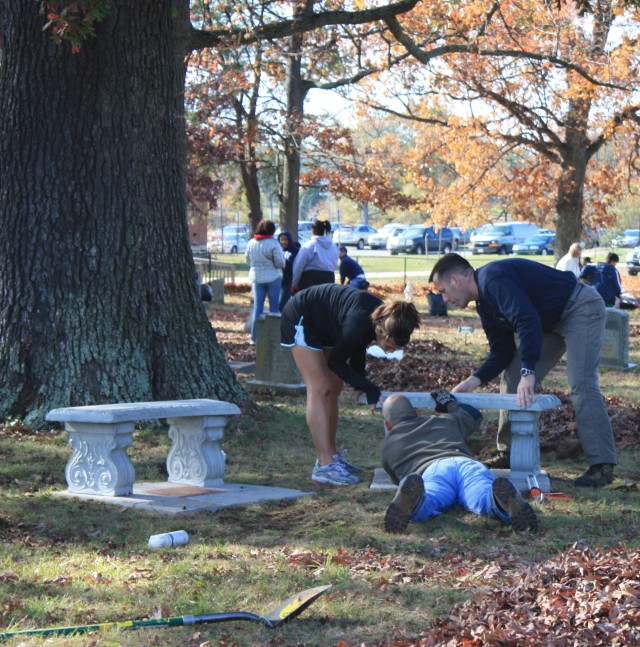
x=168 y=539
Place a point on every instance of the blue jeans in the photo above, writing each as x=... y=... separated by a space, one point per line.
x=260 y=292
x=285 y=295
x=458 y=480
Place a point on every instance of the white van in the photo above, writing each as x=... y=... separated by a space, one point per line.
x=500 y=238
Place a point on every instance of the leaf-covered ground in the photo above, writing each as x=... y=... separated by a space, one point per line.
x=586 y=596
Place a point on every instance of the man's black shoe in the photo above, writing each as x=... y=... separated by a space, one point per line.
x=521 y=514
x=404 y=503
x=596 y=476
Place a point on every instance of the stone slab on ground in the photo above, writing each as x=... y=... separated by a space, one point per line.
x=173 y=499
x=381 y=480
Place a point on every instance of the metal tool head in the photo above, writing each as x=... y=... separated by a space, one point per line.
x=293 y=606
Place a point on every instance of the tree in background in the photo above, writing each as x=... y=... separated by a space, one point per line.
x=365 y=165
x=547 y=91
x=268 y=84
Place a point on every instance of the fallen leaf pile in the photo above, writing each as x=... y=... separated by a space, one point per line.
x=425 y=364
x=583 y=597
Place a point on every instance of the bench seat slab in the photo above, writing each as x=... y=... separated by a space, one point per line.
x=100 y=435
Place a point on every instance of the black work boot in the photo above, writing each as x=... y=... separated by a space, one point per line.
x=407 y=497
x=521 y=515
x=596 y=476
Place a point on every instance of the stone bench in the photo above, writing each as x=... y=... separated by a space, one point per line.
x=100 y=434
x=525 y=441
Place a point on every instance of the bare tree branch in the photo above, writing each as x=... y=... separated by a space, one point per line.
x=306 y=21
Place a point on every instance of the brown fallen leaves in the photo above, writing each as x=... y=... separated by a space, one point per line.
x=583 y=597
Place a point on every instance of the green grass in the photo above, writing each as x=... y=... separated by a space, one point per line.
x=413 y=263
x=67 y=562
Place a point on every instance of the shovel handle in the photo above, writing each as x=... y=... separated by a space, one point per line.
x=178 y=621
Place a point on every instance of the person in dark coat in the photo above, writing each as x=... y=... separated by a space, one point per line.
x=290 y=250
x=604 y=278
x=551 y=313
x=351 y=272
x=328 y=328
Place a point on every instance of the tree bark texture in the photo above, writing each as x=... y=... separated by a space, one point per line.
x=570 y=195
x=247 y=157
x=297 y=90
x=98 y=296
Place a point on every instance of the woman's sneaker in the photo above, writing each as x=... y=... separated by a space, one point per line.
x=352 y=469
x=333 y=474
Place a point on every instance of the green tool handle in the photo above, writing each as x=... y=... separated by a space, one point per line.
x=137 y=624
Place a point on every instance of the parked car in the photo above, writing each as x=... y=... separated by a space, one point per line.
x=546 y=232
x=198 y=248
x=629 y=238
x=419 y=240
x=535 y=245
x=633 y=262
x=357 y=235
x=231 y=239
x=379 y=239
x=304 y=231
x=501 y=237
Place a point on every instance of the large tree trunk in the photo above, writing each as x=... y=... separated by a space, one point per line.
x=570 y=195
x=248 y=164
x=97 y=282
x=577 y=151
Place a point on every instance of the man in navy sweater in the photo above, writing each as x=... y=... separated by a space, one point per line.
x=551 y=313
x=351 y=271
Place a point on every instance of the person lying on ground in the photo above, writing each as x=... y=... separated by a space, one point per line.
x=429 y=458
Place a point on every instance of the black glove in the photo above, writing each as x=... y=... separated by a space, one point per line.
x=443 y=400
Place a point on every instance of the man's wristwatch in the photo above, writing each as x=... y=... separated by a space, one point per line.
x=526 y=371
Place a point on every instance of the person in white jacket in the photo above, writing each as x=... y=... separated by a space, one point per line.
x=317 y=259
x=265 y=259
x=570 y=262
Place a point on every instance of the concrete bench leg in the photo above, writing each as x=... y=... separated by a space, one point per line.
x=525 y=450
x=195 y=457
x=99 y=463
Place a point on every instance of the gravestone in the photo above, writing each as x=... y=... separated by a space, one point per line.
x=275 y=368
x=615 y=349
x=217 y=289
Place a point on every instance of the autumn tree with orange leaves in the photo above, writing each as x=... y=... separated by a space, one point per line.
x=539 y=100
x=267 y=85
x=365 y=166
